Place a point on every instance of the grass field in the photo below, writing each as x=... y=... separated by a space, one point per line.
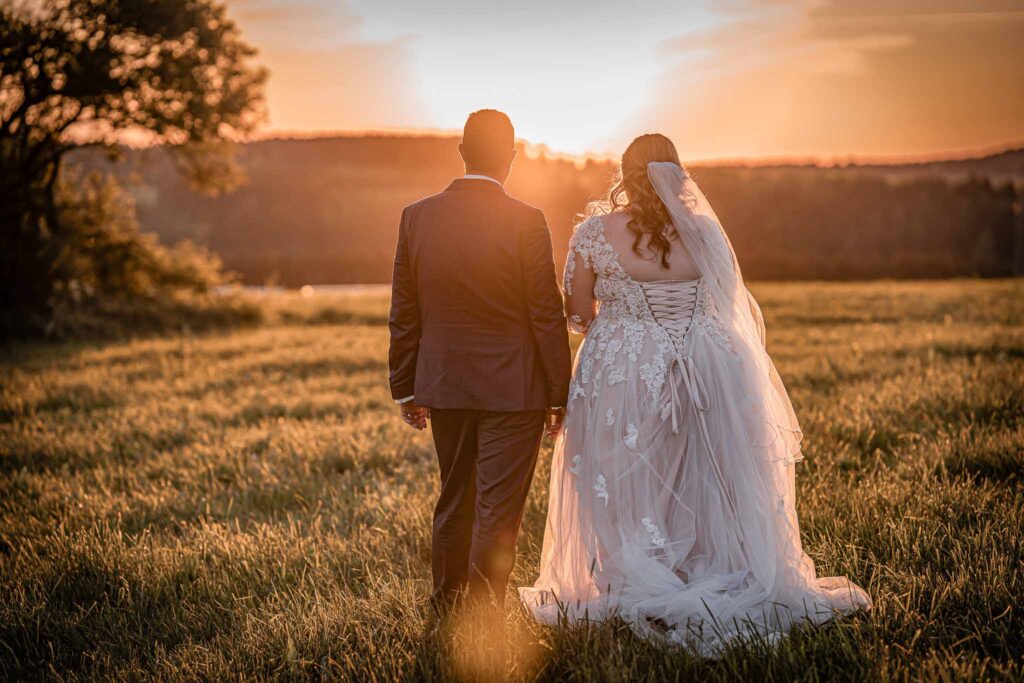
x=248 y=504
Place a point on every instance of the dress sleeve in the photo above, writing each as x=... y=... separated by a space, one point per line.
x=579 y=278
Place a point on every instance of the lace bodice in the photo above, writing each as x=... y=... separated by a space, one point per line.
x=624 y=300
x=640 y=327
x=619 y=294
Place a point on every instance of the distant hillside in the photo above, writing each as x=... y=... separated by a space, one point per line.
x=326 y=210
x=1002 y=167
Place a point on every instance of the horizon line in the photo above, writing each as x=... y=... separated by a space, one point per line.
x=538 y=149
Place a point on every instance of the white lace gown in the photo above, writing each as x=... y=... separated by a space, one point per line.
x=672 y=485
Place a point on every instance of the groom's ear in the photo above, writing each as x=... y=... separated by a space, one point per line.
x=462 y=153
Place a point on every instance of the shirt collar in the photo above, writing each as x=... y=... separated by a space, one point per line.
x=474 y=176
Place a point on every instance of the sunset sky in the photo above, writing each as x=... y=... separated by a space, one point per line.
x=723 y=78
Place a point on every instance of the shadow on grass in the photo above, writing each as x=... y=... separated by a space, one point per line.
x=126 y=449
x=260 y=373
x=997 y=466
x=884 y=440
x=334 y=316
x=98 y=614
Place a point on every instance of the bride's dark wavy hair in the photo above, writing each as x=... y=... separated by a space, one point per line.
x=632 y=191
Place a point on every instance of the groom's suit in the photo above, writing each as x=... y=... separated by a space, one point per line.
x=479 y=337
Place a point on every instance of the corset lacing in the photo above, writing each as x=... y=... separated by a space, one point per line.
x=672 y=303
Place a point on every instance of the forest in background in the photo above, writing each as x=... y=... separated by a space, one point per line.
x=326 y=210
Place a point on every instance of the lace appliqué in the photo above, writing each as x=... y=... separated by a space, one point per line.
x=631 y=436
x=654 y=373
x=633 y=334
x=586 y=366
x=576 y=389
x=576 y=325
x=602 y=488
x=616 y=376
x=596 y=346
x=718 y=333
x=657 y=538
x=610 y=417
x=586 y=243
x=620 y=294
x=567 y=274
x=577 y=462
x=706 y=316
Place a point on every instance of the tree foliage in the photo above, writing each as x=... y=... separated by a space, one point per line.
x=78 y=73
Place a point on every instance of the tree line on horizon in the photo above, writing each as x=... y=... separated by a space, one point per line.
x=319 y=211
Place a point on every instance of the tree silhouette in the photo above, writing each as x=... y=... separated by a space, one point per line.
x=77 y=73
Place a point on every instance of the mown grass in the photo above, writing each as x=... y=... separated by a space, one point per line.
x=247 y=504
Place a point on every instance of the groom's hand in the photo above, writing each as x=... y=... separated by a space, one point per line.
x=553 y=420
x=415 y=416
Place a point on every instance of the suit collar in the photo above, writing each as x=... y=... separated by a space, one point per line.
x=475 y=184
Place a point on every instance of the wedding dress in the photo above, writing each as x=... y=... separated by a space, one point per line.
x=672 y=484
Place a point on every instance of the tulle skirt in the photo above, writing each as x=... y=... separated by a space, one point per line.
x=672 y=496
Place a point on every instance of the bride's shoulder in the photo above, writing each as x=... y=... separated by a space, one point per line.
x=601 y=224
x=600 y=221
x=589 y=224
x=587 y=234
x=588 y=230
x=616 y=219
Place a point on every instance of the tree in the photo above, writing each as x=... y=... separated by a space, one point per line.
x=76 y=73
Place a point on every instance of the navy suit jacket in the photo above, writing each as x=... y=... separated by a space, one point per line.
x=476 y=313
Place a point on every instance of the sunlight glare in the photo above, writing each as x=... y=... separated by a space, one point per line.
x=573 y=81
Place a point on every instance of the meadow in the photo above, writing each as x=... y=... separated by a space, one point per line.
x=247 y=504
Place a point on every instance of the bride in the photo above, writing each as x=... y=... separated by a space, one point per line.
x=672 y=489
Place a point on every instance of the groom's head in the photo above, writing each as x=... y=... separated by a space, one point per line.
x=488 y=144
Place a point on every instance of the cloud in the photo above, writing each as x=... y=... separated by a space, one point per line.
x=297 y=24
x=784 y=32
x=806 y=77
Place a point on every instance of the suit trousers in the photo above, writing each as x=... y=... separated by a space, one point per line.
x=487 y=460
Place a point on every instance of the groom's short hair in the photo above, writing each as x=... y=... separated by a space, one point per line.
x=487 y=139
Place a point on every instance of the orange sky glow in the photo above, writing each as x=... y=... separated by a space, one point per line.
x=754 y=79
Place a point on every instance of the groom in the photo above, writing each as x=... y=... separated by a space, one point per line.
x=479 y=347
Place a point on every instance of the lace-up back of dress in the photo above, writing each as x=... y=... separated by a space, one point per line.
x=672 y=303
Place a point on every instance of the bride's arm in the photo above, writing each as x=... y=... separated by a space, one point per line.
x=578 y=285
